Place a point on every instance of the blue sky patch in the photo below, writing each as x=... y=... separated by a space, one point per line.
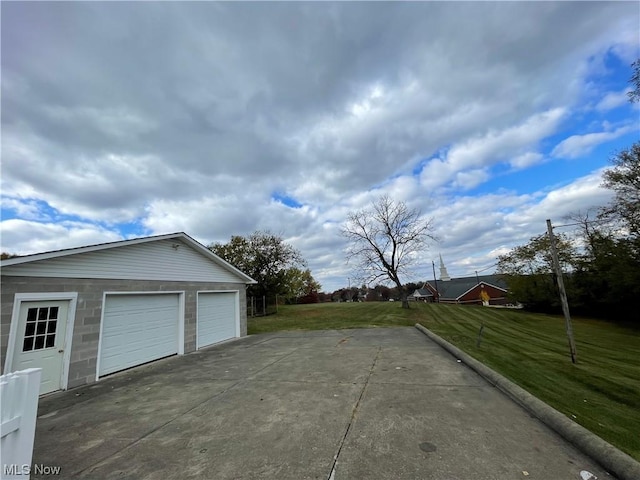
x=286 y=200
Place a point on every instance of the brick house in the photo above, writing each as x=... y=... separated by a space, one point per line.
x=483 y=289
x=469 y=290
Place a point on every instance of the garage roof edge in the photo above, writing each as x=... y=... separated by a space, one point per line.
x=134 y=241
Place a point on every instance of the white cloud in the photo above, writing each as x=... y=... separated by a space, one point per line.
x=493 y=147
x=25 y=208
x=189 y=116
x=580 y=195
x=613 y=100
x=469 y=179
x=580 y=145
x=472 y=231
x=475 y=230
x=23 y=237
x=526 y=160
x=500 y=144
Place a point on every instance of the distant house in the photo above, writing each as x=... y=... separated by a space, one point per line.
x=423 y=295
x=470 y=290
x=478 y=289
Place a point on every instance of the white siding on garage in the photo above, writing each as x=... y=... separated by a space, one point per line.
x=137 y=329
x=169 y=259
x=217 y=317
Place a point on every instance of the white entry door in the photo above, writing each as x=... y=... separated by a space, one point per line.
x=40 y=341
x=217 y=317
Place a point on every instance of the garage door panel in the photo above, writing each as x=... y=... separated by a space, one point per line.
x=217 y=317
x=138 y=329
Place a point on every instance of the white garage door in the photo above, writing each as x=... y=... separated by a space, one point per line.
x=138 y=329
x=217 y=317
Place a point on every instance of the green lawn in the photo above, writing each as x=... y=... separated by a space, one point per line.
x=601 y=392
x=322 y=316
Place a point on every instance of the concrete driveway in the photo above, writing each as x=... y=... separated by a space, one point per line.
x=383 y=403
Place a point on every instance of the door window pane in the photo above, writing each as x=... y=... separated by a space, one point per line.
x=27 y=345
x=31 y=330
x=40 y=328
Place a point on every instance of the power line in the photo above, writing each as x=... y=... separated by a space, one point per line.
x=487 y=268
x=579 y=223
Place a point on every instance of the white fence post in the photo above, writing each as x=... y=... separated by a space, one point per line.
x=19 y=393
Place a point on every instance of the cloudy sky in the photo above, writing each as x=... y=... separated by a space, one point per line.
x=122 y=120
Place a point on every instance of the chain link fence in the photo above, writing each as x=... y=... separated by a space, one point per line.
x=262 y=306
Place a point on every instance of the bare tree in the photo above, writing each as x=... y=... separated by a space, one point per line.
x=385 y=240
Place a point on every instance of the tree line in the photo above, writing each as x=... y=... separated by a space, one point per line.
x=377 y=293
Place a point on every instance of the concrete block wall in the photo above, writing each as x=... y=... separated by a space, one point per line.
x=190 y=315
x=86 y=332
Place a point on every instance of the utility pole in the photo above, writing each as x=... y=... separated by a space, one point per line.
x=563 y=293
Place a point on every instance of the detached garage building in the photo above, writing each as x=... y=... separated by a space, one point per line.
x=83 y=313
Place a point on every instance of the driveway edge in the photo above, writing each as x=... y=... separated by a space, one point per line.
x=611 y=458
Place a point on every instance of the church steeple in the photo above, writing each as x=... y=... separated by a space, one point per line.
x=444 y=275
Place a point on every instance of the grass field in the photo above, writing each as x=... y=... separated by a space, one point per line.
x=322 y=316
x=601 y=392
